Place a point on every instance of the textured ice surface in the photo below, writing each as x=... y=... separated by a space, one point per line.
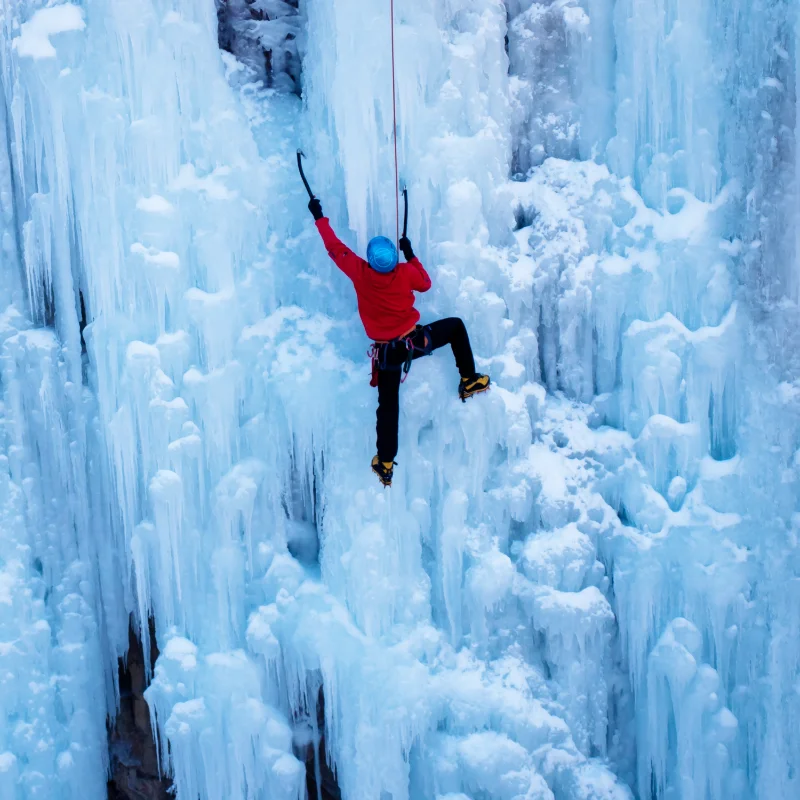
x=582 y=585
x=34 y=39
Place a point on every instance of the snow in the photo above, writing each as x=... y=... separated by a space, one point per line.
x=210 y=185
x=34 y=39
x=158 y=258
x=583 y=584
x=155 y=204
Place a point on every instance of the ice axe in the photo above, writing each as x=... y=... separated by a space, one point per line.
x=300 y=156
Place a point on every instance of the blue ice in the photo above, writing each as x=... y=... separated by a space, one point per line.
x=583 y=585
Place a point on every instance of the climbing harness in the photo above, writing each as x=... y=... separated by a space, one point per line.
x=379 y=353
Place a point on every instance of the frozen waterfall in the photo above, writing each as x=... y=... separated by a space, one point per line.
x=584 y=585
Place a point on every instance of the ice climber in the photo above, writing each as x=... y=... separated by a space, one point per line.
x=385 y=291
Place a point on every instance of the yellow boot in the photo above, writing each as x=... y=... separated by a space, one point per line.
x=384 y=470
x=474 y=385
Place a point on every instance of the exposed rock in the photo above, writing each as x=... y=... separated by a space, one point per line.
x=134 y=760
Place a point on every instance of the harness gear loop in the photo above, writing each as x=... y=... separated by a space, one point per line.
x=379 y=353
x=373 y=354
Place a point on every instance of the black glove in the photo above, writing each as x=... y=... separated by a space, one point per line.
x=405 y=247
x=315 y=207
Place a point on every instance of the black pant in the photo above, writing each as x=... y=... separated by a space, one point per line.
x=446 y=331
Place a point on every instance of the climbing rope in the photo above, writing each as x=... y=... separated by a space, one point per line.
x=394 y=133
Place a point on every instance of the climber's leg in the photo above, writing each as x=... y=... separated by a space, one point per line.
x=388 y=415
x=452 y=331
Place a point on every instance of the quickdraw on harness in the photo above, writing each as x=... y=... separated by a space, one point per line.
x=379 y=353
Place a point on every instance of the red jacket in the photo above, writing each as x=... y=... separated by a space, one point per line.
x=385 y=300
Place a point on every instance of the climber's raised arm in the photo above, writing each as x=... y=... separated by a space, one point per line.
x=344 y=258
x=418 y=278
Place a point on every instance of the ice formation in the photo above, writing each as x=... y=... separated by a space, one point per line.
x=582 y=586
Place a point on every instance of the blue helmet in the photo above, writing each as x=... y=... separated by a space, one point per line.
x=382 y=254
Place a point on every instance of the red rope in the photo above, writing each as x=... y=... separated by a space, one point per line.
x=394 y=132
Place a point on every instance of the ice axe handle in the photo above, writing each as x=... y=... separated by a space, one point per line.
x=405 y=212
x=300 y=156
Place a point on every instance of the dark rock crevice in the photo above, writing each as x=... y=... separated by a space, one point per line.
x=264 y=35
x=321 y=782
x=132 y=751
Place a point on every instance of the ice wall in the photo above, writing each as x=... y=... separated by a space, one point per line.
x=125 y=143
x=582 y=585
x=62 y=614
x=704 y=111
